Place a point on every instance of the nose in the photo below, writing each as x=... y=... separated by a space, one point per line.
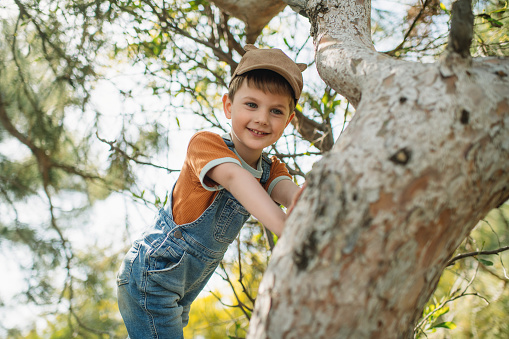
x=262 y=117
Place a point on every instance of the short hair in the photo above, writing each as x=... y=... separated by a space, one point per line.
x=265 y=80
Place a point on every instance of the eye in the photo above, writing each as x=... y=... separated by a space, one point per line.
x=277 y=111
x=251 y=104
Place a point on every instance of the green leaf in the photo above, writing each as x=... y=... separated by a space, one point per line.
x=441 y=311
x=485 y=262
x=447 y=324
x=286 y=43
x=501 y=10
x=495 y=23
x=139 y=196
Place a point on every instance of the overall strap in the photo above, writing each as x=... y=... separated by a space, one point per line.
x=229 y=143
x=266 y=162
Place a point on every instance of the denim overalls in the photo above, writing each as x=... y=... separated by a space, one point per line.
x=167 y=268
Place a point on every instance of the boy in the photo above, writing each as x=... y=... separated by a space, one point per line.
x=223 y=180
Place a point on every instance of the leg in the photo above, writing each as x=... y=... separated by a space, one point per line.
x=159 y=318
x=185 y=315
x=149 y=310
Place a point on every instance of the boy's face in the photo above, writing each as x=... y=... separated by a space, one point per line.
x=258 y=119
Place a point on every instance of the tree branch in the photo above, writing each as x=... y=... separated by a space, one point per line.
x=476 y=253
x=410 y=29
x=241 y=275
x=115 y=148
x=163 y=17
x=462 y=28
x=40 y=154
x=46 y=41
x=244 y=308
x=309 y=130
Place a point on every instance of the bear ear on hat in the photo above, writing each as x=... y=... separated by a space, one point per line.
x=302 y=67
x=249 y=47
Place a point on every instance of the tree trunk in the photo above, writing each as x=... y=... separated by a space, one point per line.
x=424 y=158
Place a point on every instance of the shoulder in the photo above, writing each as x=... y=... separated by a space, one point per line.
x=274 y=161
x=277 y=167
x=207 y=146
x=205 y=136
x=206 y=140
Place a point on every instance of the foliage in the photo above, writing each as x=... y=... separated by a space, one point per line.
x=210 y=319
x=473 y=292
x=491 y=34
x=425 y=29
x=432 y=315
x=87 y=306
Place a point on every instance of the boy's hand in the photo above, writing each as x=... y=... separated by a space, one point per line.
x=295 y=199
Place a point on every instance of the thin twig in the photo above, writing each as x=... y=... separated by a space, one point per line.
x=410 y=29
x=241 y=275
x=114 y=147
x=462 y=294
x=476 y=253
x=241 y=305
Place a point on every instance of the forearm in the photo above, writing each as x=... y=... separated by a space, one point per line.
x=248 y=191
x=285 y=192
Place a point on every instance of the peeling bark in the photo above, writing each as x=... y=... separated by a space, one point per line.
x=424 y=158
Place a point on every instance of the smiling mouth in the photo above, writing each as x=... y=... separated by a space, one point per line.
x=257 y=132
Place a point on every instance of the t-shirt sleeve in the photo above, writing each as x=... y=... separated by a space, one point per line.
x=205 y=151
x=278 y=172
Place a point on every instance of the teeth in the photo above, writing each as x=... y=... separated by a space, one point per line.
x=258 y=132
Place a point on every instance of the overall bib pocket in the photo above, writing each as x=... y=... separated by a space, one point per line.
x=232 y=217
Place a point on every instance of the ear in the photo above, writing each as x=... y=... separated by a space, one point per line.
x=290 y=118
x=227 y=106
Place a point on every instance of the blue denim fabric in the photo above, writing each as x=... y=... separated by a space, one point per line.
x=167 y=268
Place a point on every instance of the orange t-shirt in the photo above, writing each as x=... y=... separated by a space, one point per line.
x=194 y=191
